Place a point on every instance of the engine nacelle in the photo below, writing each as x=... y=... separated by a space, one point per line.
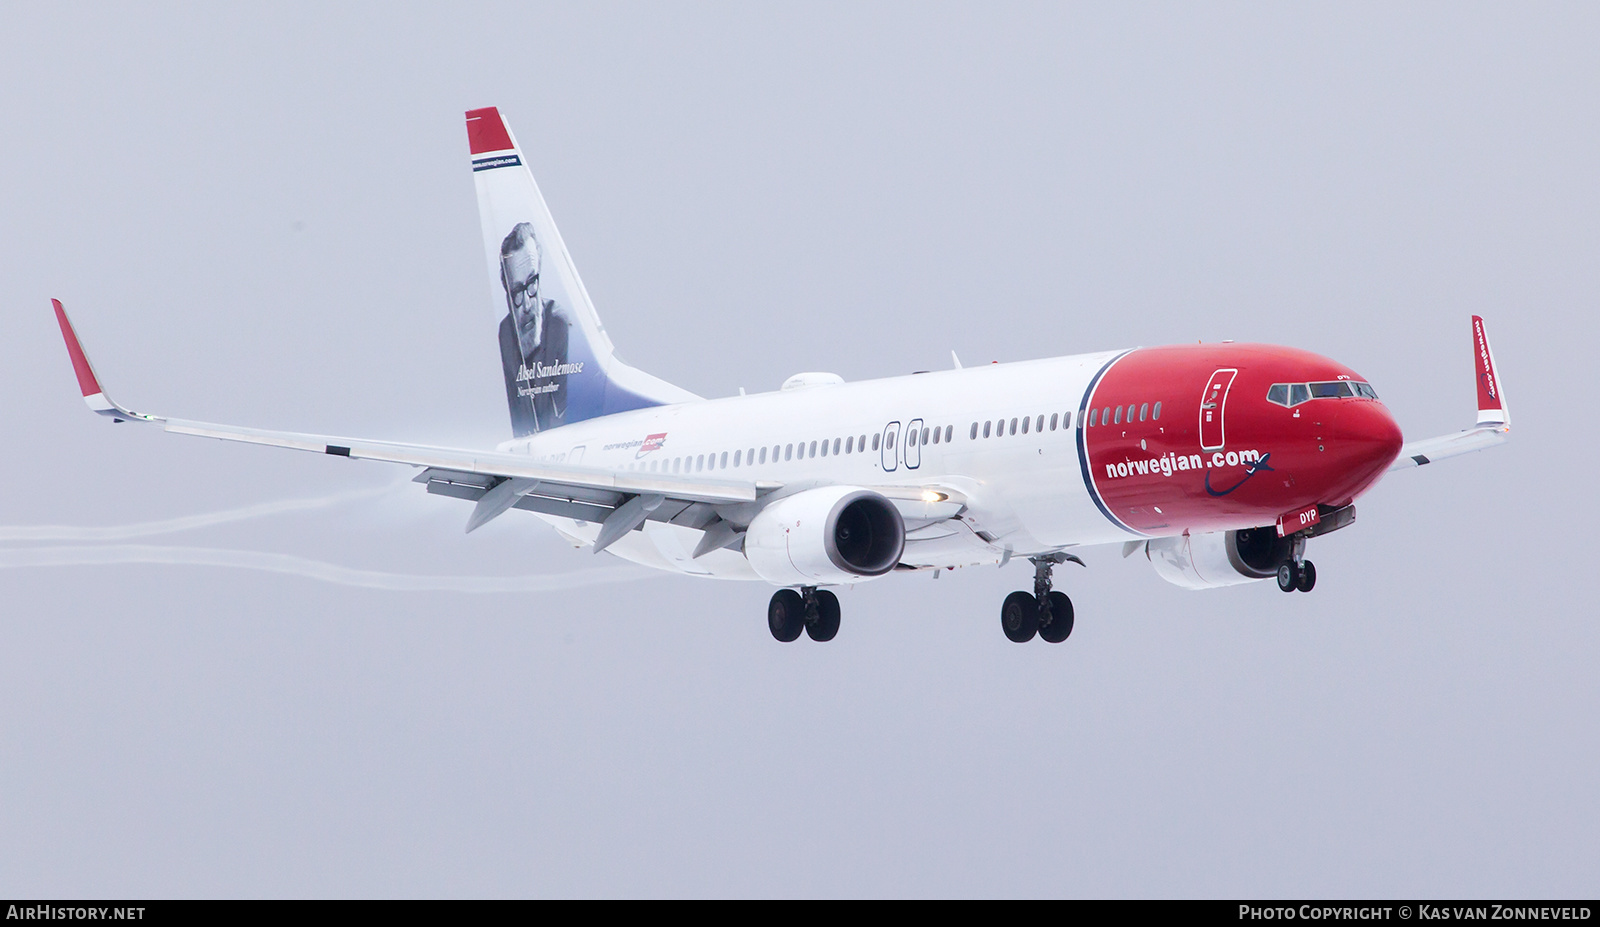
x=1220 y=558
x=833 y=534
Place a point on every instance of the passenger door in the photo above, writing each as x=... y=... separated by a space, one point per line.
x=1213 y=403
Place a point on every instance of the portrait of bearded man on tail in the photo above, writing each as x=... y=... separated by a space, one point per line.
x=532 y=335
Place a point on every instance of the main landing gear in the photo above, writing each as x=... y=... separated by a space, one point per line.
x=1297 y=572
x=1043 y=612
x=816 y=611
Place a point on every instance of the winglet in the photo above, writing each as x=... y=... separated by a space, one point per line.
x=1491 y=392
x=93 y=395
x=1494 y=416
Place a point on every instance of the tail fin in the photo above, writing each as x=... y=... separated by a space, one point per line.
x=557 y=358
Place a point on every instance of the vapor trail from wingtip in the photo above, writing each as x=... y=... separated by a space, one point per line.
x=184 y=523
x=311 y=569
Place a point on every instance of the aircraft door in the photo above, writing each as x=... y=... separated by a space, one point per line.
x=891 y=433
x=1213 y=403
x=914 y=444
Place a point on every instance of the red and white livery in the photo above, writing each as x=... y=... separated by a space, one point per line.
x=1218 y=462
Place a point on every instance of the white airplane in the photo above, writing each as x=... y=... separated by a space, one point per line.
x=1217 y=461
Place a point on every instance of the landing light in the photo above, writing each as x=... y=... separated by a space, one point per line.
x=929 y=495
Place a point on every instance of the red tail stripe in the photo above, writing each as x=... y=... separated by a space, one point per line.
x=486 y=131
x=80 y=363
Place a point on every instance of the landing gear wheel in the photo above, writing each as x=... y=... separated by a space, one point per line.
x=1019 y=617
x=1308 y=576
x=1288 y=576
x=1060 y=625
x=826 y=624
x=786 y=615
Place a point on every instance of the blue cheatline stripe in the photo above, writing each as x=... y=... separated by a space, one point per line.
x=489 y=164
x=1083 y=447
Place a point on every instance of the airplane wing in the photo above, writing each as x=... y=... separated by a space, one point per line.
x=1494 y=416
x=619 y=501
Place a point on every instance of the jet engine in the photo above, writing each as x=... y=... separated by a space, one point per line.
x=833 y=534
x=1220 y=558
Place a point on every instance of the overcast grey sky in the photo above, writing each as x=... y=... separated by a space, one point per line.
x=265 y=216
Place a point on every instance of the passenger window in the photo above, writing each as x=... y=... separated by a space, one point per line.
x=986 y=429
x=1143 y=410
x=850 y=445
x=875 y=439
x=1066 y=420
x=836 y=447
x=974 y=435
x=924 y=436
x=736 y=456
x=1013 y=427
x=824 y=448
x=936 y=435
x=1054 y=417
x=788 y=452
x=1298 y=393
x=813 y=450
x=1094 y=417
x=724 y=462
x=1155 y=414
x=948 y=431
x=763 y=454
x=700 y=463
x=1130 y=413
x=1025 y=423
x=1118 y=419
x=1105 y=415
x=861 y=443
x=1038 y=424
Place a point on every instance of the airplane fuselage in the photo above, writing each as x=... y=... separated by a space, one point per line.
x=1035 y=455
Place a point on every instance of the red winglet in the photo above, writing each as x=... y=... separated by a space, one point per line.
x=80 y=363
x=486 y=131
x=1491 y=398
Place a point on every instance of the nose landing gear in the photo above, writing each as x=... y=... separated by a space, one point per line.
x=815 y=611
x=1297 y=572
x=1043 y=612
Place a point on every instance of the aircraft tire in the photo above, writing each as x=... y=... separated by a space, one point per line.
x=786 y=615
x=1060 y=626
x=1019 y=617
x=826 y=624
x=1288 y=576
x=1308 y=577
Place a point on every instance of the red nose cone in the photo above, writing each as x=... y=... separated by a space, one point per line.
x=1365 y=439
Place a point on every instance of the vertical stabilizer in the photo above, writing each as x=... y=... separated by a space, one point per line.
x=558 y=362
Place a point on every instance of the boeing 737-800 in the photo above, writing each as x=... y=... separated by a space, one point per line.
x=1217 y=461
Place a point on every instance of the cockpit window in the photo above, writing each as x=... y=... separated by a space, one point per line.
x=1292 y=394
